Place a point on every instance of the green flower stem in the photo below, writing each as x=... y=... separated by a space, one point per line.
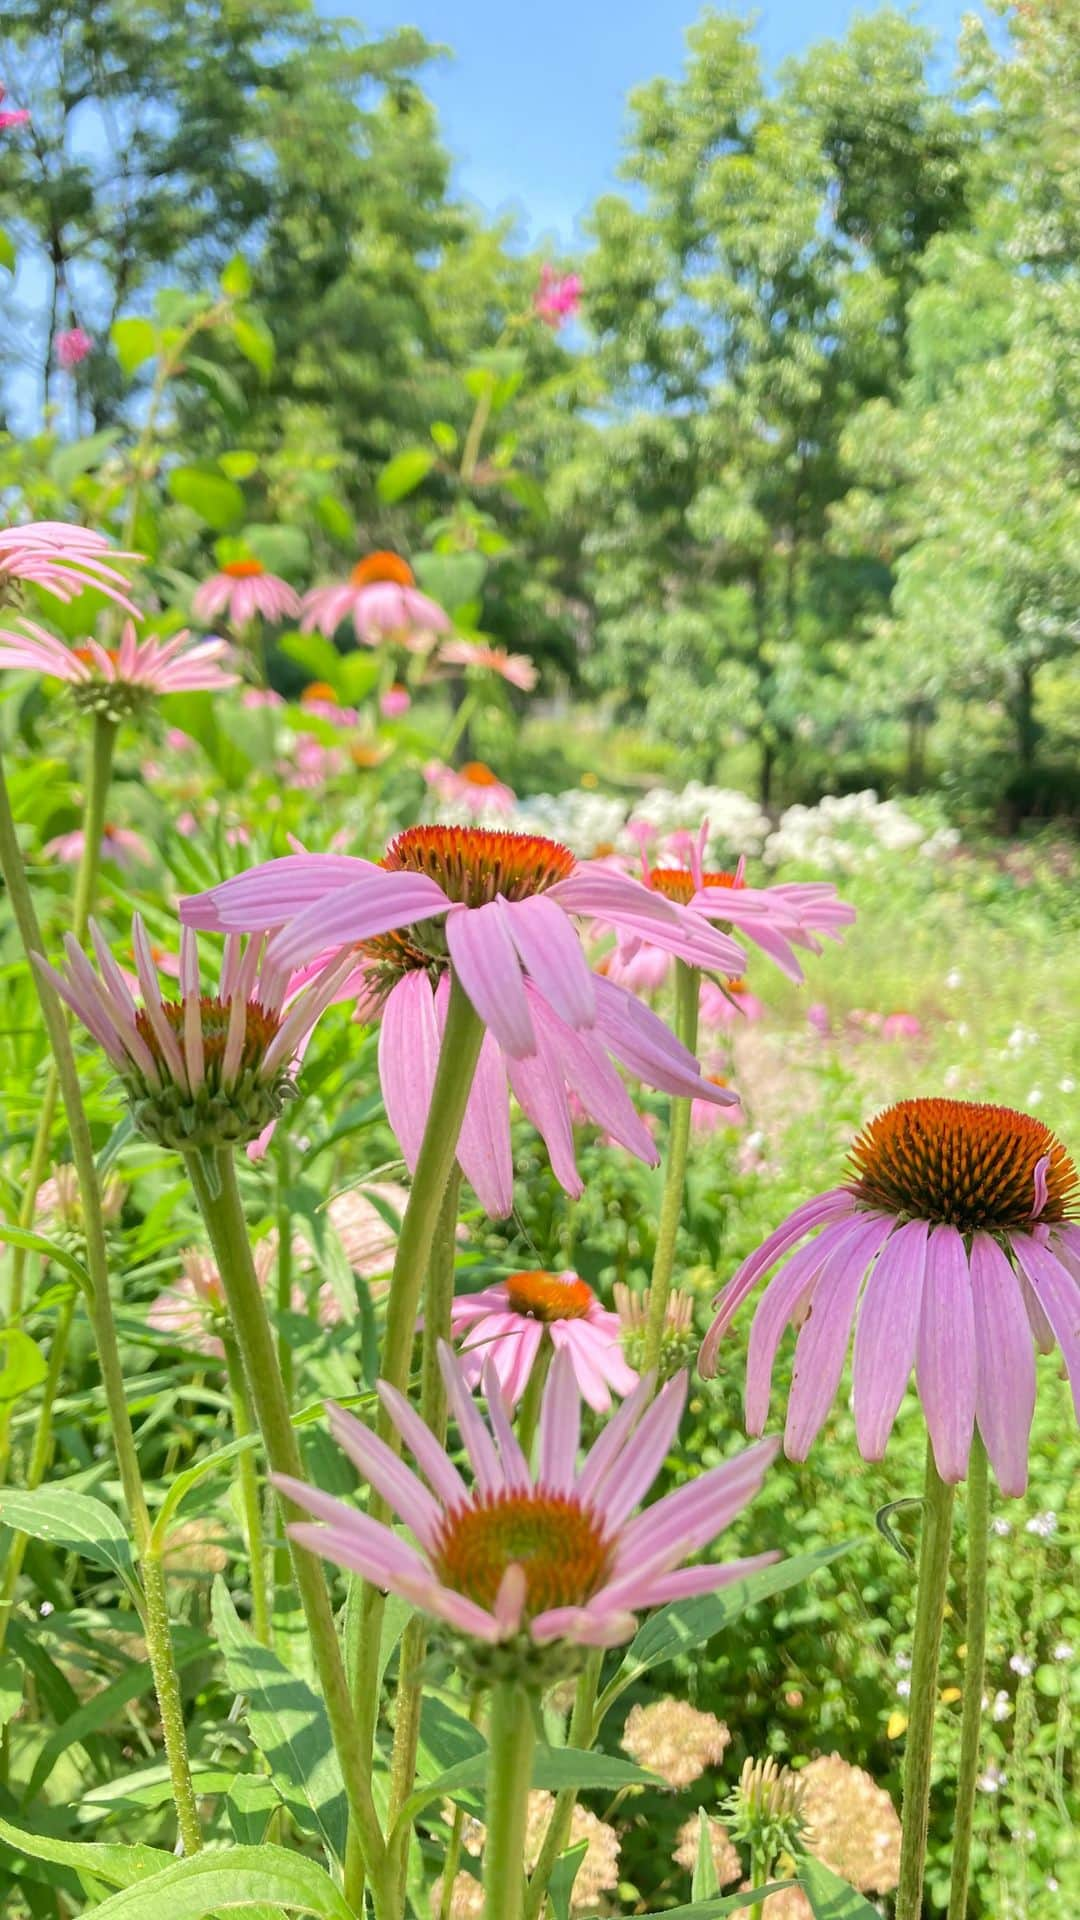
x=929 y=1613
x=98 y=775
x=452 y=1857
x=581 y=1734
x=438 y=1299
x=458 y=1055
x=247 y=1479
x=219 y=1201
x=155 y=1618
x=687 y=993
x=978 y=1534
x=40 y=1455
x=284 y=1252
x=529 y=1411
x=512 y=1737
x=760 y=1870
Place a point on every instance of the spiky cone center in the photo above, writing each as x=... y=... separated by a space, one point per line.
x=381 y=568
x=549 y=1296
x=962 y=1163
x=221 y=1110
x=559 y=1544
x=471 y=865
x=479 y=774
x=244 y=569
x=678 y=884
x=679 y=1342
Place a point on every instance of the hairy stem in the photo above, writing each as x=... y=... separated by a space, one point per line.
x=247 y=1480
x=512 y=1737
x=929 y=1612
x=978 y=1531
x=581 y=1734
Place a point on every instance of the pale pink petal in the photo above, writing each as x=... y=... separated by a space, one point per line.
x=389 y=1476
x=408 y=1058
x=552 y=956
x=945 y=1356
x=560 y=1426
x=832 y=1205
x=437 y=1468
x=486 y=962
x=484 y=1141
x=1058 y=1294
x=823 y=1339
x=1005 y=1364
x=887 y=1335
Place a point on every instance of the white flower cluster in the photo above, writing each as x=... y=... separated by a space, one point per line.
x=737 y=825
x=583 y=821
x=850 y=830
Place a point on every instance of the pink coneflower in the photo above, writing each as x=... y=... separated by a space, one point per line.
x=11 y=116
x=207 y=1069
x=901 y=1026
x=310 y=763
x=320 y=699
x=555 y=1557
x=777 y=919
x=725 y=1006
x=243 y=590
x=187 y=1311
x=254 y=697
x=119 y=845
x=558 y=296
x=706 y=1116
x=516 y=668
x=506 y=1325
x=384 y=601
x=472 y=789
x=499 y=908
x=958 y=1219
x=395 y=701
x=72 y=347
x=62 y=560
x=120 y=678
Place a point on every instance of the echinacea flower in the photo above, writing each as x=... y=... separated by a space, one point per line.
x=61 y=560
x=243 y=590
x=11 y=116
x=208 y=1069
x=118 y=680
x=777 y=919
x=557 y=297
x=533 y=1558
x=515 y=668
x=506 y=1325
x=472 y=789
x=72 y=347
x=119 y=845
x=395 y=702
x=384 y=601
x=320 y=698
x=958 y=1218
x=706 y=1116
x=499 y=909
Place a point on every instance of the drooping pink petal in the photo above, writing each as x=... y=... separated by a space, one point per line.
x=780 y=1304
x=552 y=956
x=373 y=902
x=886 y=1336
x=1005 y=1364
x=408 y=1058
x=823 y=1339
x=273 y=892
x=945 y=1354
x=560 y=1427
x=486 y=962
x=389 y=1476
x=833 y=1205
x=1058 y=1295
x=483 y=1149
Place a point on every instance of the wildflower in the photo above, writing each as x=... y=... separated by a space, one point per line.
x=1000 y=1526
x=517 y=1565
x=1063 y=1650
x=991 y=1780
x=765 y=1808
x=395 y=701
x=674 y=1740
x=499 y=907
x=506 y=1326
x=557 y=297
x=960 y=1214
x=705 y=1117
x=11 y=116
x=117 y=681
x=515 y=668
x=61 y=560
x=360 y=1219
x=901 y=1026
x=1042 y=1524
x=196 y=1546
x=726 y=1862
x=724 y=1006
x=187 y=1311
x=472 y=789
x=242 y=591
x=1001 y=1706
x=385 y=604
x=72 y=347
x=851 y=1824
x=1020 y=1664
x=58 y=1200
x=119 y=845
x=599 y=1870
x=677 y=1339
x=207 y=1069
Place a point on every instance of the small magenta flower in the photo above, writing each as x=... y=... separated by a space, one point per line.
x=395 y=702
x=958 y=1219
x=117 y=681
x=242 y=591
x=515 y=668
x=522 y=1561
x=384 y=601
x=72 y=347
x=557 y=297
x=206 y=1070
x=501 y=909
x=11 y=116
x=61 y=560
x=506 y=1325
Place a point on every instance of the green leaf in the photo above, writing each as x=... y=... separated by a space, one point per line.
x=316 y=655
x=236 y=278
x=135 y=341
x=73 y=1521
x=183 y=1483
x=249 y=1804
x=289 y=1726
x=451 y=578
x=445 y=436
x=281 y=549
x=118 y=1866
x=553 y=1768
x=239 y=463
x=66 y=463
x=704 y=1882
x=830 y=1897
x=563 y=1875
x=215 y=499
x=687 y=1624
x=7 y=251
x=97 y=1712
x=23 y=1366
x=403 y=474
x=726 y=1903
x=255 y=342
x=334 y=517
x=241 y=1877
x=52 y=1250
x=11 y=1688
x=216 y=379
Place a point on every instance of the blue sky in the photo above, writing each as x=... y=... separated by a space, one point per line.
x=533 y=102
